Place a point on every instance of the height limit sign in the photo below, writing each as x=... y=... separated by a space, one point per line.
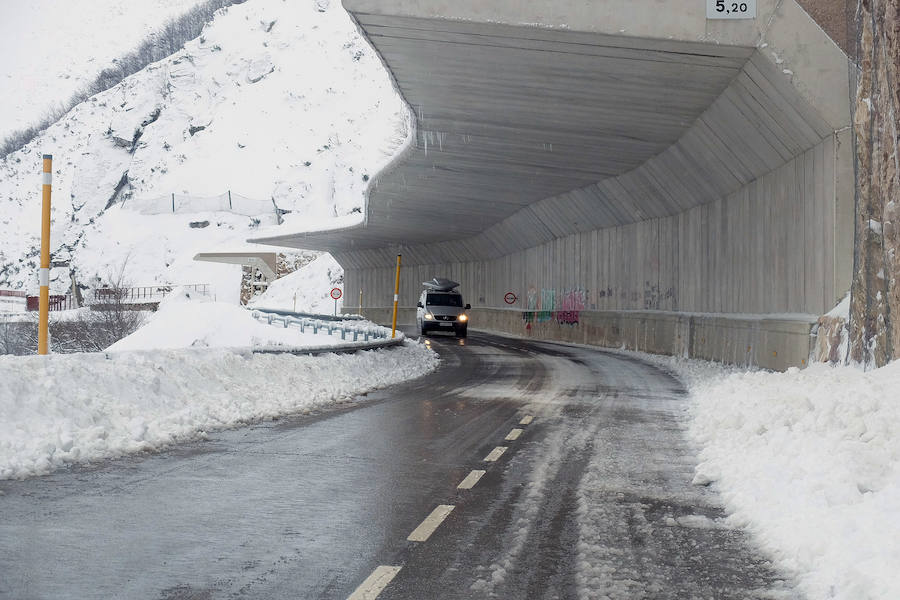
x=728 y=9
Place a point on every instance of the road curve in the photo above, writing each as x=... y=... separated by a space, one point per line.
x=591 y=498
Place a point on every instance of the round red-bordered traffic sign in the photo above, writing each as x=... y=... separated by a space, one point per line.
x=336 y=293
x=510 y=298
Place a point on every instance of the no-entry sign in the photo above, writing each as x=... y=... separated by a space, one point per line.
x=336 y=293
x=510 y=298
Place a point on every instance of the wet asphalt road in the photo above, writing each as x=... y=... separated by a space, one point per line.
x=593 y=500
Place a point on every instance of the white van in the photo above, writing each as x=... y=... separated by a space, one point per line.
x=441 y=308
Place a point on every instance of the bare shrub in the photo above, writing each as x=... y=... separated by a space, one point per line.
x=14 y=338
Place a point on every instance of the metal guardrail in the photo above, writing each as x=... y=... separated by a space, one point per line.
x=301 y=315
x=359 y=333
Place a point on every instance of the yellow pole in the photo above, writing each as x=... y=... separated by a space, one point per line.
x=396 y=299
x=44 y=306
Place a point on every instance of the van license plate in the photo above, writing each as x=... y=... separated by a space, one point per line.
x=446 y=324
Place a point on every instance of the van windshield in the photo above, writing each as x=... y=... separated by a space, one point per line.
x=443 y=299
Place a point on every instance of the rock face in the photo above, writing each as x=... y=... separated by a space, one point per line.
x=259 y=68
x=875 y=293
x=830 y=340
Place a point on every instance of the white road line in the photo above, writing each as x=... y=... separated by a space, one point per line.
x=526 y=420
x=431 y=522
x=495 y=454
x=513 y=435
x=471 y=479
x=375 y=583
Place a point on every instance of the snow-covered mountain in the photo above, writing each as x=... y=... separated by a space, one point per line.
x=275 y=101
x=50 y=49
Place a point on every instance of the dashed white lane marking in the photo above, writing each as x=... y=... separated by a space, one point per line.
x=526 y=420
x=471 y=479
x=495 y=454
x=375 y=583
x=513 y=435
x=431 y=522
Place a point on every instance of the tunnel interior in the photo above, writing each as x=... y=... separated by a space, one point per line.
x=607 y=171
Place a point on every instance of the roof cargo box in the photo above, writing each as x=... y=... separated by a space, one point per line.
x=439 y=284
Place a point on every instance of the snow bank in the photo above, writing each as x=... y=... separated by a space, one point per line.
x=309 y=286
x=74 y=408
x=187 y=321
x=809 y=461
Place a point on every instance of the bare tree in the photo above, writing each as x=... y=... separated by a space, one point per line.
x=111 y=317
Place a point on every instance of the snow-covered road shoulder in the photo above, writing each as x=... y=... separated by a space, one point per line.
x=809 y=461
x=77 y=408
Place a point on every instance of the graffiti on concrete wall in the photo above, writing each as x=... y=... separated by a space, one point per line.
x=565 y=306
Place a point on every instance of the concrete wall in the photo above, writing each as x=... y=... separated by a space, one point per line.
x=781 y=244
x=770 y=343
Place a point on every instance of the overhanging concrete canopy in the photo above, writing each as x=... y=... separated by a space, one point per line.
x=530 y=133
x=266 y=262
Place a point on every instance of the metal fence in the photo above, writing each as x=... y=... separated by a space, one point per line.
x=12 y=301
x=358 y=332
x=147 y=293
x=187 y=204
x=57 y=302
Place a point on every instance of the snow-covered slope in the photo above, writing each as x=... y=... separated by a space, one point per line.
x=50 y=49
x=307 y=289
x=279 y=101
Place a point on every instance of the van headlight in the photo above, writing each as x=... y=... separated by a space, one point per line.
x=463 y=318
x=428 y=316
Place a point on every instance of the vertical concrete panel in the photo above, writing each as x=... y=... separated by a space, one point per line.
x=746 y=258
x=703 y=251
x=827 y=203
x=683 y=245
x=775 y=216
x=844 y=187
x=716 y=233
x=761 y=245
x=791 y=229
x=817 y=273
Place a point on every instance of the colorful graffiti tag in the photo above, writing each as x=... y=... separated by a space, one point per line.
x=565 y=307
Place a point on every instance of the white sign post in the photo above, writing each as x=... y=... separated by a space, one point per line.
x=729 y=9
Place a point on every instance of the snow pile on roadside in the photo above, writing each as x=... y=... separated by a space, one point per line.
x=310 y=286
x=809 y=461
x=76 y=408
x=184 y=320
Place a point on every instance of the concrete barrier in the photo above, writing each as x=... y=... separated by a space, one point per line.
x=764 y=341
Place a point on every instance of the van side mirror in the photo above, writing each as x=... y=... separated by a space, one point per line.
x=419 y=305
x=468 y=306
